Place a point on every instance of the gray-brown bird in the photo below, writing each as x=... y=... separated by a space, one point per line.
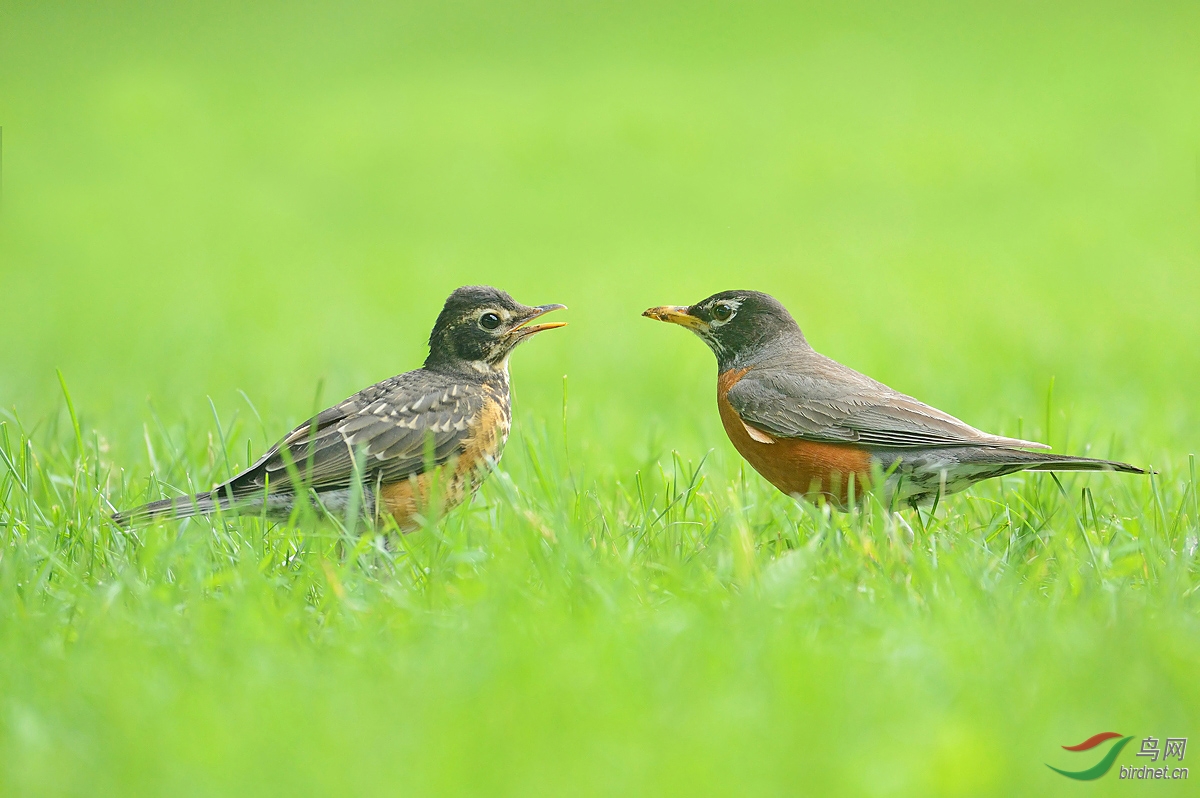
x=432 y=432
x=815 y=428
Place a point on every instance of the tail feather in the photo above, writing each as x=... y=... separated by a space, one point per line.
x=1000 y=461
x=1065 y=462
x=180 y=507
x=922 y=479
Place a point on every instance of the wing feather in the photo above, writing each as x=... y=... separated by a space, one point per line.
x=786 y=405
x=387 y=425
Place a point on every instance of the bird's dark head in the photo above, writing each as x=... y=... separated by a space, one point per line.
x=734 y=324
x=478 y=328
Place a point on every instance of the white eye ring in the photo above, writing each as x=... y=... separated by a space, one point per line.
x=728 y=307
x=490 y=320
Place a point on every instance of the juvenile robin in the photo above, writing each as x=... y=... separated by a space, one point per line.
x=422 y=436
x=813 y=427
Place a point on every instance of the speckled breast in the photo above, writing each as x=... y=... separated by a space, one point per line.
x=483 y=446
x=461 y=476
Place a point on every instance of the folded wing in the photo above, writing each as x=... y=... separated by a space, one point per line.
x=789 y=404
x=394 y=429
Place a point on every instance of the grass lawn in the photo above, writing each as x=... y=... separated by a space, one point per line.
x=219 y=219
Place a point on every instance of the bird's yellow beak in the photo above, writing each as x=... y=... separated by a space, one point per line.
x=526 y=329
x=676 y=314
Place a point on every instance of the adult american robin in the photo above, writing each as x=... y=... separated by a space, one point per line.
x=813 y=427
x=397 y=446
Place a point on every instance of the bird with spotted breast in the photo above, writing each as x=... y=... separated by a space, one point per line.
x=815 y=428
x=398 y=446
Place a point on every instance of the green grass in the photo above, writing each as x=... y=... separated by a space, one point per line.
x=217 y=220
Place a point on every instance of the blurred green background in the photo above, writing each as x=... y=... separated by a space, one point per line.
x=963 y=202
x=966 y=201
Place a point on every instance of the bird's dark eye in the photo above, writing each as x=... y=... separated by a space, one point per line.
x=489 y=321
x=722 y=312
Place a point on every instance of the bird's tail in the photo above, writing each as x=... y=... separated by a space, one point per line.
x=1036 y=461
x=180 y=507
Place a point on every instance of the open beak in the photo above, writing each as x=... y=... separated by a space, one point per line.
x=676 y=314
x=526 y=329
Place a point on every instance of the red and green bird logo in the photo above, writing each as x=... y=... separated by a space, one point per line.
x=1104 y=765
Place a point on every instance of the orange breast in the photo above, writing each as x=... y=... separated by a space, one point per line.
x=409 y=498
x=405 y=499
x=457 y=479
x=796 y=467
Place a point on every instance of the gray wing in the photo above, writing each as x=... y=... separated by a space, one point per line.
x=387 y=426
x=828 y=402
